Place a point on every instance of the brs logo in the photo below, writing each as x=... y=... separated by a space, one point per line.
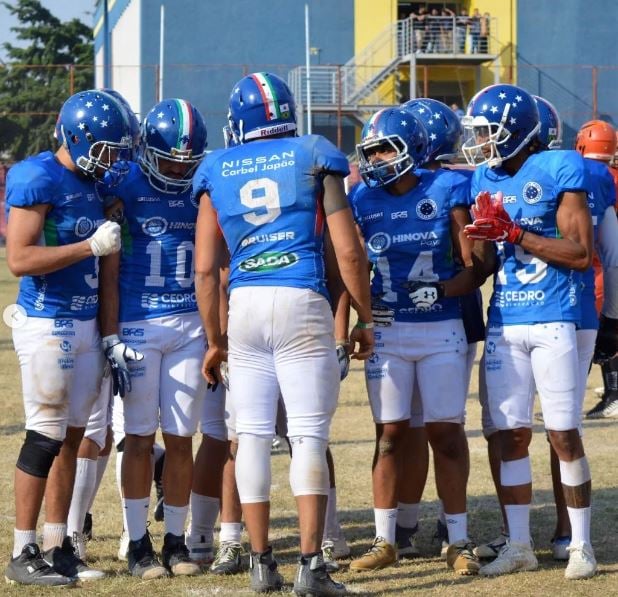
x=137 y=332
x=63 y=323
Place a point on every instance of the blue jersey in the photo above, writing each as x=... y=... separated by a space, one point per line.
x=408 y=239
x=527 y=290
x=601 y=195
x=268 y=197
x=75 y=211
x=158 y=243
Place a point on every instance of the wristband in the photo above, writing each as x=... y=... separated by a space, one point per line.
x=361 y=325
x=341 y=341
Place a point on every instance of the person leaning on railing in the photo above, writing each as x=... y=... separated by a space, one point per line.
x=484 y=34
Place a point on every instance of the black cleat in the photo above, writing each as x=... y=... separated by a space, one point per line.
x=263 y=572
x=142 y=560
x=65 y=561
x=175 y=556
x=29 y=568
x=313 y=580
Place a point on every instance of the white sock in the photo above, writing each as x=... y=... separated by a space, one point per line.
x=457 y=527
x=21 y=539
x=101 y=466
x=53 y=534
x=518 y=517
x=580 y=524
x=204 y=512
x=230 y=532
x=332 y=530
x=407 y=515
x=85 y=479
x=386 y=520
x=136 y=516
x=175 y=518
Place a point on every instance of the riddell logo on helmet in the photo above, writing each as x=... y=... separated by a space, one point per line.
x=275 y=130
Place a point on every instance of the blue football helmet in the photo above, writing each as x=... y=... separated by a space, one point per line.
x=174 y=131
x=500 y=121
x=397 y=129
x=550 y=134
x=133 y=120
x=443 y=127
x=94 y=128
x=261 y=105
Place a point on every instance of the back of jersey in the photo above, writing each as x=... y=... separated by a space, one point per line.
x=268 y=196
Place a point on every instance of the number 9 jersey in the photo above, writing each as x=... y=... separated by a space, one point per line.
x=527 y=290
x=268 y=197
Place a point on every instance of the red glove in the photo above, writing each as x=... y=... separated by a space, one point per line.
x=491 y=221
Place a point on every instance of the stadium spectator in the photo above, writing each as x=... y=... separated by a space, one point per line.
x=475 y=31
x=433 y=32
x=461 y=27
x=484 y=33
x=447 y=21
x=419 y=28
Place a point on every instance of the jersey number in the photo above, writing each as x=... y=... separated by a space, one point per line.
x=261 y=193
x=184 y=255
x=530 y=269
x=422 y=269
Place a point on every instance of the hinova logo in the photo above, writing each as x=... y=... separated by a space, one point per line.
x=267 y=262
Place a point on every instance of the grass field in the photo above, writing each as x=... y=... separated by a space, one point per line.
x=352 y=445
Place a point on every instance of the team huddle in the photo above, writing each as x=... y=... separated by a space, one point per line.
x=170 y=288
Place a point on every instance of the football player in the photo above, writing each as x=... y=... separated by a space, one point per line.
x=445 y=131
x=596 y=141
x=540 y=220
x=268 y=200
x=56 y=232
x=412 y=224
x=148 y=300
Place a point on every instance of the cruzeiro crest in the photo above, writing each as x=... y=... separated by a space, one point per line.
x=532 y=192
x=426 y=209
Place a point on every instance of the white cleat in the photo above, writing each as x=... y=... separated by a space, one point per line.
x=123 y=547
x=582 y=563
x=513 y=557
x=490 y=550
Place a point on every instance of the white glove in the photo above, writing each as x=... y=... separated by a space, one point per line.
x=225 y=374
x=383 y=315
x=105 y=240
x=117 y=354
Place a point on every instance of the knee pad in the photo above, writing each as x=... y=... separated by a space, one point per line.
x=37 y=454
x=253 y=468
x=309 y=469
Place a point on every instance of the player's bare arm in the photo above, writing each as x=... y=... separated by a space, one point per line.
x=574 y=249
x=339 y=297
x=25 y=256
x=109 y=302
x=209 y=256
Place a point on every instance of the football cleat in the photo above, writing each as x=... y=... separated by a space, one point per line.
x=582 y=563
x=65 y=561
x=29 y=568
x=513 y=557
x=263 y=573
x=490 y=550
x=560 y=548
x=228 y=559
x=312 y=579
x=461 y=558
x=143 y=562
x=200 y=550
x=175 y=556
x=79 y=543
x=380 y=555
x=606 y=408
x=406 y=542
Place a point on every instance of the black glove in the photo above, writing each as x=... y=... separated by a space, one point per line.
x=117 y=354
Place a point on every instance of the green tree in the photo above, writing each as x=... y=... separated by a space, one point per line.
x=54 y=59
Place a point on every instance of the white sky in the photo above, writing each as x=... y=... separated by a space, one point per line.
x=65 y=10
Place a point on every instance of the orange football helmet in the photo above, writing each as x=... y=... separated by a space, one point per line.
x=596 y=139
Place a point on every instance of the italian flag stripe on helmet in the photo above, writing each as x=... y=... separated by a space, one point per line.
x=269 y=97
x=185 y=124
